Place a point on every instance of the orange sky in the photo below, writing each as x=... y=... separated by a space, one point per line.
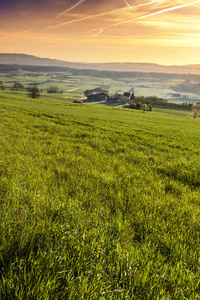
x=158 y=31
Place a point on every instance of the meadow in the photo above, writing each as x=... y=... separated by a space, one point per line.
x=97 y=202
x=175 y=88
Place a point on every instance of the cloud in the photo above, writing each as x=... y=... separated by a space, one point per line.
x=175 y=7
x=169 y=9
x=142 y=4
x=69 y=9
x=107 y=12
x=129 y=5
x=86 y=18
x=96 y=32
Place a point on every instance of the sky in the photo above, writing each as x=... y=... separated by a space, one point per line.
x=156 y=31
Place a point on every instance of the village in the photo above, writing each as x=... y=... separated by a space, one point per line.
x=99 y=94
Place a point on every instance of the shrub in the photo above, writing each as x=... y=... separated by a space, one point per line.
x=196 y=110
x=132 y=105
x=77 y=101
x=17 y=86
x=95 y=91
x=53 y=89
x=33 y=92
x=139 y=105
x=126 y=105
x=144 y=107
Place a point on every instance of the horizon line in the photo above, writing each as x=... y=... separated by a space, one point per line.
x=108 y=62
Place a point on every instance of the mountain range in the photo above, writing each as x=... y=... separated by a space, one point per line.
x=24 y=59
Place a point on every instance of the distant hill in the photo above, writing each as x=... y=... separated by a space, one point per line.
x=24 y=59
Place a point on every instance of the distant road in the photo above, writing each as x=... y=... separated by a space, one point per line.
x=72 y=90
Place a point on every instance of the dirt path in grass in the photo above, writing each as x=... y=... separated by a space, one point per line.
x=72 y=90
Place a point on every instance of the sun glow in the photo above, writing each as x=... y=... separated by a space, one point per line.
x=83 y=30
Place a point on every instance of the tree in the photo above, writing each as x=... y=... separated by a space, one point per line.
x=145 y=107
x=122 y=98
x=132 y=90
x=2 y=87
x=99 y=90
x=17 y=86
x=139 y=105
x=88 y=92
x=196 y=110
x=132 y=96
x=33 y=91
x=53 y=89
x=95 y=91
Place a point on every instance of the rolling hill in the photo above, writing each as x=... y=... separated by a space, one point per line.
x=24 y=59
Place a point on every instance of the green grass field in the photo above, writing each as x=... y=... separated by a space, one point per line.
x=75 y=85
x=97 y=202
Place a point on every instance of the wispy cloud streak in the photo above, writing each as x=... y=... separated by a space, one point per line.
x=97 y=32
x=97 y=15
x=169 y=9
x=69 y=9
x=129 y=5
x=85 y=18
x=142 y=4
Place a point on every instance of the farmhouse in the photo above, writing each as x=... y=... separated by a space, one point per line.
x=127 y=95
x=99 y=94
x=98 y=97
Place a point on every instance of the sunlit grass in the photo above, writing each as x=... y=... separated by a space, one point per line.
x=97 y=203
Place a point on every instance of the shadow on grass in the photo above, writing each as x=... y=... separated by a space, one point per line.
x=103 y=103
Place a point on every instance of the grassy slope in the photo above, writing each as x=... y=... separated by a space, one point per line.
x=89 y=192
